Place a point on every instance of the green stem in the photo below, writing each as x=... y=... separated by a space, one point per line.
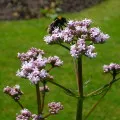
x=75 y=67
x=47 y=116
x=38 y=98
x=20 y=104
x=64 y=46
x=79 y=109
x=50 y=69
x=80 y=89
x=79 y=77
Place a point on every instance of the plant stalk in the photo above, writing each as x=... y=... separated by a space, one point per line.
x=38 y=98
x=79 y=77
x=80 y=89
x=79 y=109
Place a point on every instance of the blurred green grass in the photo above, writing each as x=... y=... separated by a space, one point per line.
x=19 y=36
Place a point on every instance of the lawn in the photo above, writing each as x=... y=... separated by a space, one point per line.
x=19 y=36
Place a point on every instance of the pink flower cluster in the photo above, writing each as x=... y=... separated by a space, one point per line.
x=25 y=114
x=33 y=65
x=81 y=48
x=111 y=67
x=55 y=107
x=14 y=92
x=33 y=53
x=97 y=36
x=73 y=32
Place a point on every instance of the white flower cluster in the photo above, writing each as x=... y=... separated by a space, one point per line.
x=44 y=89
x=81 y=48
x=25 y=114
x=111 y=67
x=73 y=32
x=55 y=107
x=33 y=66
x=14 y=92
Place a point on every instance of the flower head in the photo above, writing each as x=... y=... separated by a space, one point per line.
x=80 y=48
x=90 y=51
x=55 y=61
x=14 y=92
x=111 y=67
x=33 y=53
x=97 y=36
x=33 y=66
x=25 y=114
x=54 y=107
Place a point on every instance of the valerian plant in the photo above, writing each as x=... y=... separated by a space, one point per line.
x=79 y=38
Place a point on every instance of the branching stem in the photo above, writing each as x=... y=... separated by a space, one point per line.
x=102 y=88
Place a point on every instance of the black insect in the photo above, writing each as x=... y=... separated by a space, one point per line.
x=59 y=22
